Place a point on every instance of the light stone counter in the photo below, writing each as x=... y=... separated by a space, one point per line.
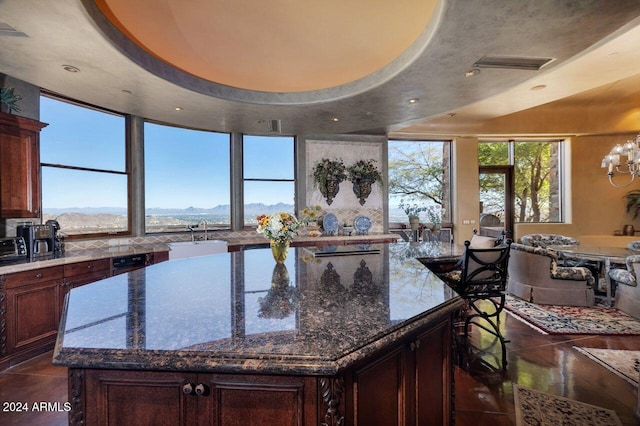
x=74 y=256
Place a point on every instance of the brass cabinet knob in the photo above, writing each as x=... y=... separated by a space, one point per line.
x=187 y=389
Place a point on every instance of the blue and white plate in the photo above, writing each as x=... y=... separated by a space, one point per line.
x=362 y=224
x=330 y=223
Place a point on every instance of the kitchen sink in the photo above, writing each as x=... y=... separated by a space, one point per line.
x=184 y=249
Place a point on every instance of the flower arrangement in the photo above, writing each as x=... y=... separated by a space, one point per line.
x=311 y=214
x=328 y=170
x=9 y=98
x=279 y=227
x=364 y=170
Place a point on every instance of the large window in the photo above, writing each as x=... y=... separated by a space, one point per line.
x=84 y=170
x=536 y=173
x=419 y=174
x=187 y=180
x=269 y=178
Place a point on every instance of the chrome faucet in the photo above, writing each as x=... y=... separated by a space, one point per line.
x=204 y=221
x=192 y=228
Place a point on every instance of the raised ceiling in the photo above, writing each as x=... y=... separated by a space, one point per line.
x=428 y=61
x=273 y=46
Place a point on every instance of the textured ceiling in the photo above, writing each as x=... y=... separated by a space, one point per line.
x=119 y=73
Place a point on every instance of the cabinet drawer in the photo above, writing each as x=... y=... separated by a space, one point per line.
x=89 y=277
x=91 y=266
x=34 y=276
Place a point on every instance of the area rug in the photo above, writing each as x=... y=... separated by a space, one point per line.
x=624 y=363
x=535 y=408
x=550 y=319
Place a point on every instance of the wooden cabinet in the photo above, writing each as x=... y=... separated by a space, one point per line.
x=32 y=310
x=19 y=167
x=81 y=273
x=411 y=385
x=115 y=397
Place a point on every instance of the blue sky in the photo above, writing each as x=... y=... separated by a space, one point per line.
x=183 y=168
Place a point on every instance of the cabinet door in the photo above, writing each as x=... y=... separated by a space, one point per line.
x=19 y=167
x=379 y=390
x=231 y=400
x=433 y=376
x=33 y=313
x=118 y=398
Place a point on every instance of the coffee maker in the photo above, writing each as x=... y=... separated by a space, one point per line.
x=40 y=240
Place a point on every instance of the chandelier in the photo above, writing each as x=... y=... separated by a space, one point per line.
x=623 y=159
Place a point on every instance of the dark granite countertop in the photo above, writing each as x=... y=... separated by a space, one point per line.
x=239 y=312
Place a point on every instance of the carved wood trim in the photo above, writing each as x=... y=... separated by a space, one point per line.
x=3 y=317
x=76 y=397
x=332 y=390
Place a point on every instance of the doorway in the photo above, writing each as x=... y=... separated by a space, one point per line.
x=496 y=201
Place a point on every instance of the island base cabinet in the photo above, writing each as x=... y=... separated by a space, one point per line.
x=114 y=397
x=409 y=386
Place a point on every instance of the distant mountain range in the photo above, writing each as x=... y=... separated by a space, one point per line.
x=223 y=209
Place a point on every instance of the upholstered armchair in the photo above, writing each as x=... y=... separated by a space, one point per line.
x=544 y=240
x=536 y=276
x=627 y=292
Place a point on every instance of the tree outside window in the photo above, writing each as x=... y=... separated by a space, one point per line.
x=419 y=173
x=536 y=172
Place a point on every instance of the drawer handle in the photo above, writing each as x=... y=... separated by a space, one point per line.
x=38 y=275
x=89 y=266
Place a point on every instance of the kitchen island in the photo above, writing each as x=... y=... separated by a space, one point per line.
x=335 y=335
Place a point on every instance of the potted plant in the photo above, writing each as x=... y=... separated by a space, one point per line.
x=633 y=202
x=9 y=99
x=413 y=213
x=435 y=218
x=363 y=174
x=327 y=176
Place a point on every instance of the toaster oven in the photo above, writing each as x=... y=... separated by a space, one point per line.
x=12 y=248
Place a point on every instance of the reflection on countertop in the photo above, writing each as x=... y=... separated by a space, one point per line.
x=241 y=312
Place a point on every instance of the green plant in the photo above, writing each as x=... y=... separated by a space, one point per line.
x=633 y=202
x=9 y=98
x=328 y=170
x=412 y=210
x=366 y=170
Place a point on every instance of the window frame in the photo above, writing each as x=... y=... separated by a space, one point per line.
x=446 y=222
x=562 y=170
x=245 y=179
x=227 y=226
x=126 y=172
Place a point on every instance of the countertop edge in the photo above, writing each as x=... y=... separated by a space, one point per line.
x=205 y=362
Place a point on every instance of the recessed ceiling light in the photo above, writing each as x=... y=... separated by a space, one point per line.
x=335 y=119
x=539 y=87
x=472 y=72
x=178 y=108
x=70 y=68
x=413 y=100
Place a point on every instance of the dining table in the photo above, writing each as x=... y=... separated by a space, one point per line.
x=609 y=256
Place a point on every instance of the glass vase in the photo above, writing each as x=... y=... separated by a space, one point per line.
x=280 y=250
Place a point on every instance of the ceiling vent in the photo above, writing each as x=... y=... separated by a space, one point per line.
x=8 y=30
x=512 y=62
x=275 y=126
